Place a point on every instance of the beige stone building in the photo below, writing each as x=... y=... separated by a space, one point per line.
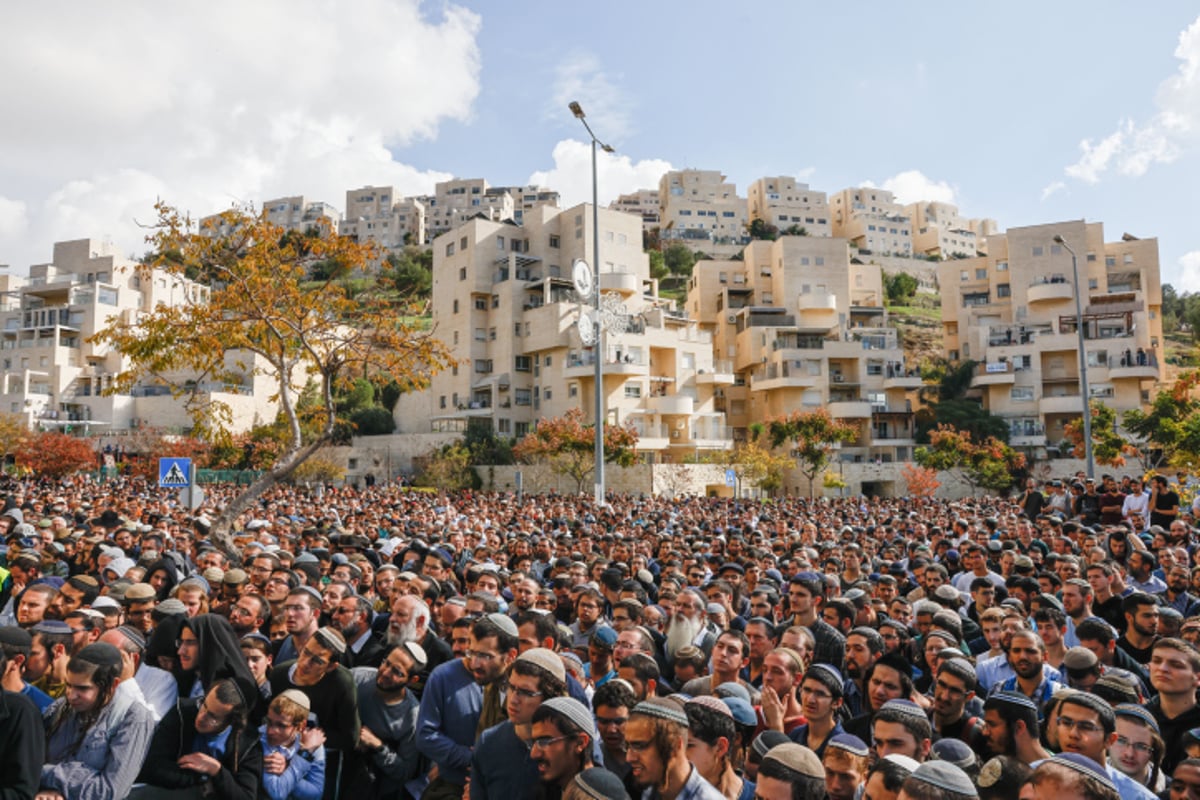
x=701 y=209
x=1013 y=311
x=872 y=220
x=376 y=213
x=295 y=214
x=643 y=203
x=783 y=202
x=503 y=300
x=805 y=328
x=458 y=200
x=54 y=377
x=939 y=231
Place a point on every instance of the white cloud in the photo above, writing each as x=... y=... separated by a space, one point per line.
x=298 y=97
x=580 y=78
x=1135 y=147
x=617 y=174
x=806 y=174
x=1188 y=279
x=913 y=186
x=1051 y=189
x=12 y=217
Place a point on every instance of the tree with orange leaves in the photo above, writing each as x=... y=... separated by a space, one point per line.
x=1169 y=432
x=56 y=455
x=990 y=465
x=920 y=481
x=815 y=435
x=271 y=302
x=568 y=446
x=1109 y=448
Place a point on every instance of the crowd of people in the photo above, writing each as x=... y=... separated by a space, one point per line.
x=394 y=643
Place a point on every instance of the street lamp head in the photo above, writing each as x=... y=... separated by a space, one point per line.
x=608 y=148
x=576 y=109
x=1058 y=239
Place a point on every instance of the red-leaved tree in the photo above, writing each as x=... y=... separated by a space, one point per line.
x=56 y=455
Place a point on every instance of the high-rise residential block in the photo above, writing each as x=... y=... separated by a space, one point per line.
x=702 y=210
x=789 y=206
x=872 y=220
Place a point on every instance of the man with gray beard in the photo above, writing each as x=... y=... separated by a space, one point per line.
x=688 y=625
x=410 y=622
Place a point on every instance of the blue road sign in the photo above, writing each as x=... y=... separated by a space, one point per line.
x=174 y=472
x=730 y=478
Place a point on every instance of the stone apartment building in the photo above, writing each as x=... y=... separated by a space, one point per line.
x=503 y=300
x=1013 y=311
x=786 y=203
x=55 y=378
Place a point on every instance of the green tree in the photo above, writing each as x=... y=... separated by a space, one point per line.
x=1169 y=433
x=658 y=265
x=372 y=421
x=679 y=259
x=1109 y=447
x=410 y=271
x=261 y=315
x=990 y=465
x=814 y=436
x=761 y=229
x=900 y=287
x=794 y=230
x=944 y=392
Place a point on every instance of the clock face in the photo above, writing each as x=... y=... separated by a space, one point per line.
x=581 y=274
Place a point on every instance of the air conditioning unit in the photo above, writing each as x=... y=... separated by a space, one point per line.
x=732 y=318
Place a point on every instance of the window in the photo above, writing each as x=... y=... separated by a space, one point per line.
x=481 y=304
x=462 y=244
x=450 y=249
x=491 y=334
x=517 y=329
x=548 y=394
x=520 y=429
x=521 y=363
x=1038 y=250
x=554 y=241
x=819 y=261
x=1021 y=393
x=522 y=397
x=462 y=273
x=503 y=425
x=442 y=401
x=456 y=337
x=633 y=390
x=572 y=390
x=480 y=335
x=500 y=243
x=483 y=366
x=964 y=275
x=547 y=361
x=981 y=274
x=1003 y=290
x=495 y=301
x=1001 y=266
x=1093 y=283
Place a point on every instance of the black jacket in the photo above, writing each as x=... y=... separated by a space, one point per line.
x=240 y=777
x=22 y=747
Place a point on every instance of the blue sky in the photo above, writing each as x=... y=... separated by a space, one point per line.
x=987 y=106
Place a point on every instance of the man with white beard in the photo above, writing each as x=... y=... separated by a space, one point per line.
x=689 y=625
x=409 y=622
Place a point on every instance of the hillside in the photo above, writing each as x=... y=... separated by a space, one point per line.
x=920 y=327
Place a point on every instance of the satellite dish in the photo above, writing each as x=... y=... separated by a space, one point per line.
x=581 y=274
x=586 y=325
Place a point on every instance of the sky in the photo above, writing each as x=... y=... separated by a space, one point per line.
x=1037 y=113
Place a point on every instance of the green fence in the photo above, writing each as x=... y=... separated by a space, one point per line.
x=241 y=477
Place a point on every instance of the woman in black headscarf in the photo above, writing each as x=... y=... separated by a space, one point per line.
x=161 y=650
x=209 y=650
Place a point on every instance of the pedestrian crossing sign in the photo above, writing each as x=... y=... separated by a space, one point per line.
x=174 y=472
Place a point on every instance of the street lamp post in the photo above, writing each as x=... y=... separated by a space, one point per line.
x=577 y=110
x=1083 y=377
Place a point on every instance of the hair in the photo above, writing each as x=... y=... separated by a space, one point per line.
x=893 y=774
x=44 y=589
x=568 y=727
x=814 y=586
x=548 y=684
x=104 y=676
x=743 y=642
x=822 y=676
x=920 y=789
x=1095 y=629
x=709 y=726
x=1189 y=651
x=1050 y=614
x=1012 y=712
x=544 y=625
x=264 y=607
x=614 y=694
x=52 y=640
x=313 y=603
x=898 y=664
x=293 y=582
x=254 y=643
x=667 y=738
x=490 y=603
x=8 y=651
x=90 y=590
x=645 y=668
x=1071 y=782
x=289 y=709
x=484 y=628
x=1108 y=720
x=1136 y=600
x=919 y=727
x=804 y=787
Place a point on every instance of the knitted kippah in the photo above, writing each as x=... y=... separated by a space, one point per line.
x=954 y=751
x=503 y=622
x=850 y=743
x=298 y=697
x=330 y=639
x=1136 y=712
x=661 y=709
x=546 y=659
x=763 y=743
x=575 y=712
x=947 y=776
x=1012 y=699
x=830 y=670
x=711 y=703
x=906 y=707
x=1084 y=766
x=797 y=758
x=600 y=784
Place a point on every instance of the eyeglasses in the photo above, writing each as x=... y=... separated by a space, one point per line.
x=1138 y=747
x=1082 y=725
x=525 y=693
x=544 y=742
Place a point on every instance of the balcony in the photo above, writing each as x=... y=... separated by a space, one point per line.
x=627 y=283
x=652 y=436
x=1050 y=290
x=1133 y=371
x=721 y=374
x=996 y=373
x=850 y=409
x=817 y=301
x=785 y=375
x=1062 y=404
x=895 y=376
x=582 y=364
x=672 y=404
x=710 y=436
